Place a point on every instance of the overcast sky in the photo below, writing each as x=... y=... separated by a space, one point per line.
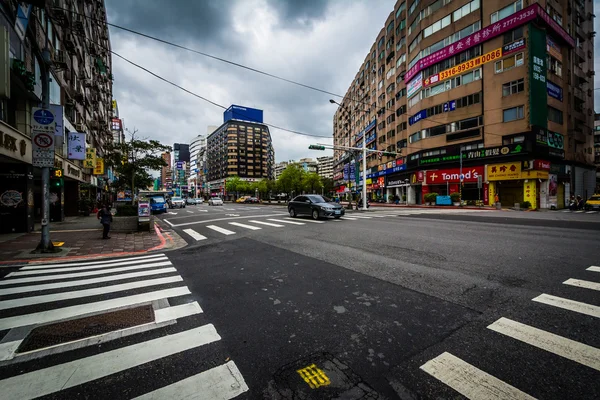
x=317 y=42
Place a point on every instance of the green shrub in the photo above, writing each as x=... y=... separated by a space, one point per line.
x=430 y=197
x=127 y=210
x=526 y=205
x=455 y=197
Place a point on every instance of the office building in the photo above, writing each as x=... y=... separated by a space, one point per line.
x=325 y=167
x=80 y=90
x=280 y=167
x=239 y=148
x=436 y=66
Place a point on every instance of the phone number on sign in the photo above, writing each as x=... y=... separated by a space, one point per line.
x=468 y=65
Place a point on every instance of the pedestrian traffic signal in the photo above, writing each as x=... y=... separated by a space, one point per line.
x=56 y=173
x=316 y=147
x=56 y=183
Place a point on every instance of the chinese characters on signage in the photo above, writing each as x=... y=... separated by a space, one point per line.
x=76 y=146
x=500 y=172
x=494 y=151
x=553 y=49
x=90 y=158
x=556 y=140
x=554 y=90
x=116 y=124
x=447 y=106
x=529 y=192
x=538 y=69
x=464 y=67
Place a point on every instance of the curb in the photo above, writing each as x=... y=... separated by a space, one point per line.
x=162 y=244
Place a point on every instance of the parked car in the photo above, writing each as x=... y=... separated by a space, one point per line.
x=251 y=200
x=215 y=201
x=191 y=201
x=593 y=203
x=199 y=200
x=314 y=205
x=177 y=202
x=242 y=199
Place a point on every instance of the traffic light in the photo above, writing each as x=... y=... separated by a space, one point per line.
x=388 y=154
x=56 y=183
x=316 y=147
x=56 y=173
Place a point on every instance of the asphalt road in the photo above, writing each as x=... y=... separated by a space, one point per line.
x=384 y=304
x=371 y=300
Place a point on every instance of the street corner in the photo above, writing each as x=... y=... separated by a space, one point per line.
x=169 y=238
x=318 y=376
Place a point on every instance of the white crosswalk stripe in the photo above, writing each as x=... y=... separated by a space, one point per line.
x=194 y=234
x=568 y=304
x=26 y=302
x=286 y=221
x=220 y=230
x=594 y=268
x=583 y=284
x=308 y=220
x=265 y=223
x=252 y=228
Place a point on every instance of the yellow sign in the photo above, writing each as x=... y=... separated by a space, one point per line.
x=464 y=67
x=58 y=244
x=99 y=170
x=504 y=172
x=534 y=175
x=314 y=376
x=58 y=173
x=90 y=158
x=530 y=192
x=114 y=105
x=369 y=181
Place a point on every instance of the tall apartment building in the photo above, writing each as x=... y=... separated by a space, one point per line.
x=506 y=86
x=325 y=167
x=166 y=174
x=80 y=91
x=242 y=147
x=279 y=167
x=197 y=153
x=597 y=149
x=307 y=164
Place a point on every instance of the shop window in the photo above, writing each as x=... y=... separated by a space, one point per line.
x=512 y=114
x=513 y=87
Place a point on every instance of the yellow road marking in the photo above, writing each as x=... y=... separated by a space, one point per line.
x=314 y=376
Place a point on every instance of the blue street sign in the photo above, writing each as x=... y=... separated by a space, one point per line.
x=43 y=117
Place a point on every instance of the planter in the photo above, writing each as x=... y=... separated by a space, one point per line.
x=127 y=224
x=456 y=203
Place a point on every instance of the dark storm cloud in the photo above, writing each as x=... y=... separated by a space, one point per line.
x=299 y=13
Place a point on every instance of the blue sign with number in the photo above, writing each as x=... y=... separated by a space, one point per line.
x=43 y=117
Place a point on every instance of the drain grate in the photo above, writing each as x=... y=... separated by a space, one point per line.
x=76 y=329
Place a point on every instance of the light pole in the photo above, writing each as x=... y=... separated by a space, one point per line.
x=364 y=162
x=460 y=174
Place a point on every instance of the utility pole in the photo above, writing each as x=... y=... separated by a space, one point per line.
x=133 y=164
x=45 y=245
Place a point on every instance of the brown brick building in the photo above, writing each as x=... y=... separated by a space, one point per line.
x=507 y=84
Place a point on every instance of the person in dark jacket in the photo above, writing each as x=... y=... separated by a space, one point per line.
x=105 y=217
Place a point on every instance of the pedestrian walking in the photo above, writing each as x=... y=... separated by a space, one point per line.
x=105 y=217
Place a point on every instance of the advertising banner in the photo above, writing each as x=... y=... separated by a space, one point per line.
x=513 y=47
x=464 y=67
x=116 y=124
x=417 y=117
x=538 y=110
x=554 y=90
x=452 y=175
x=530 y=192
x=556 y=140
x=414 y=86
x=99 y=170
x=504 y=172
x=76 y=146
x=553 y=49
x=497 y=151
x=346 y=171
x=90 y=158
x=58 y=112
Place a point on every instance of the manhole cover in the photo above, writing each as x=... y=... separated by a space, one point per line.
x=320 y=376
x=76 y=329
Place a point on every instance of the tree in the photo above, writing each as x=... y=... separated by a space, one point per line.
x=133 y=160
x=311 y=182
x=233 y=184
x=291 y=179
x=328 y=186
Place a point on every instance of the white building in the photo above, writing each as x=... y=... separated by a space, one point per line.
x=279 y=167
x=308 y=164
x=325 y=167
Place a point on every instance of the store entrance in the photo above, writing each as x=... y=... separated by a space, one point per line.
x=510 y=192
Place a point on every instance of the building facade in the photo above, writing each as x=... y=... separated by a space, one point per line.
x=280 y=167
x=166 y=173
x=597 y=149
x=436 y=66
x=80 y=92
x=325 y=167
x=308 y=165
x=197 y=154
x=238 y=148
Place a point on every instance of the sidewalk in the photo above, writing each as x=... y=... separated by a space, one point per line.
x=82 y=238
x=390 y=205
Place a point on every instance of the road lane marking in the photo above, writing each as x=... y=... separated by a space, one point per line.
x=226 y=219
x=285 y=222
x=174 y=312
x=219 y=383
x=266 y=223
x=195 y=235
x=83 y=268
x=568 y=304
x=80 y=274
x=580 y=211
x=168 y=222
x=591 y=212
x=308 y=220
x=567 y=348
x=125 y=261
x=77 y=294
x=83 y=309
x=470 y=381
x=252 y=228
x=360 y=216
x=59 y=377
x=230 y=209
x=220 y=230
x=583 y=284
x=349 y=218
x=593 y=268
x=68 y=284
x=191 y=212
x=172 y=213
x=203 y=210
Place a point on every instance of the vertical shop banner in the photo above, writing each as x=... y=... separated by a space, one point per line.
x=99 y=170
x=346 y=170
x=530 y=192
x=76 y=146
x=538 y=106
x=90 y=158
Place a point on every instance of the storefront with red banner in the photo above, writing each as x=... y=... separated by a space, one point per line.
x=447 y=181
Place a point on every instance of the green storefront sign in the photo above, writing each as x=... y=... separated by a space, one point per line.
x=538 y=94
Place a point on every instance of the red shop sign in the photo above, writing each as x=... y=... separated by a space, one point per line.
x=452 y=175
x=541 y=165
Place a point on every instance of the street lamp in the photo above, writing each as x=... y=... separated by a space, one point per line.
x=364 y=162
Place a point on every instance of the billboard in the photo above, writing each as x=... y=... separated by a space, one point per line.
x=243 y=113
x=76 y=146
x=413 y=86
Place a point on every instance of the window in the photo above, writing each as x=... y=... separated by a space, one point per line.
x=380 y=43
x=506 y=11
x=414 y=100
x=400 y=9
x=465 y=10
x=513 y=35
x=512 y=114
x=415 y=137
x=433 y=7
x=508 y=63
x=401 y=59
x=437 y=25
x=413 y=26
x=555 y=115
x=554 y=65
x=469 y=100
x=391 y=134
x=555 y=15
x=390 y=27
x=513 y=87
x=391 y=119
x=390 y=72
x=413 y=6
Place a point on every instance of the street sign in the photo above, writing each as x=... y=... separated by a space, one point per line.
x=43 y=128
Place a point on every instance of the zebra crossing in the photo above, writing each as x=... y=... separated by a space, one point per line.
x=580 y=211
x=46 y=296
x=475 y=383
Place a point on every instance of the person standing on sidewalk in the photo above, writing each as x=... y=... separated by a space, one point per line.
x=105 y=217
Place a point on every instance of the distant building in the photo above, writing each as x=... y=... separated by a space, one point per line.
x=238 y=148
x=166 y=176
x=325 y=167
x=280 y=166
x=308 y=164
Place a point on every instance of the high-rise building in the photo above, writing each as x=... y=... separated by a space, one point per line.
x=181 y=168
x=197 y=151
x=504 y=86
x=597 y=149
x=325 y=167
x=80 y=94
x=239 y=148
x=166 y=174
x=307 y=164
x=279 y=167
